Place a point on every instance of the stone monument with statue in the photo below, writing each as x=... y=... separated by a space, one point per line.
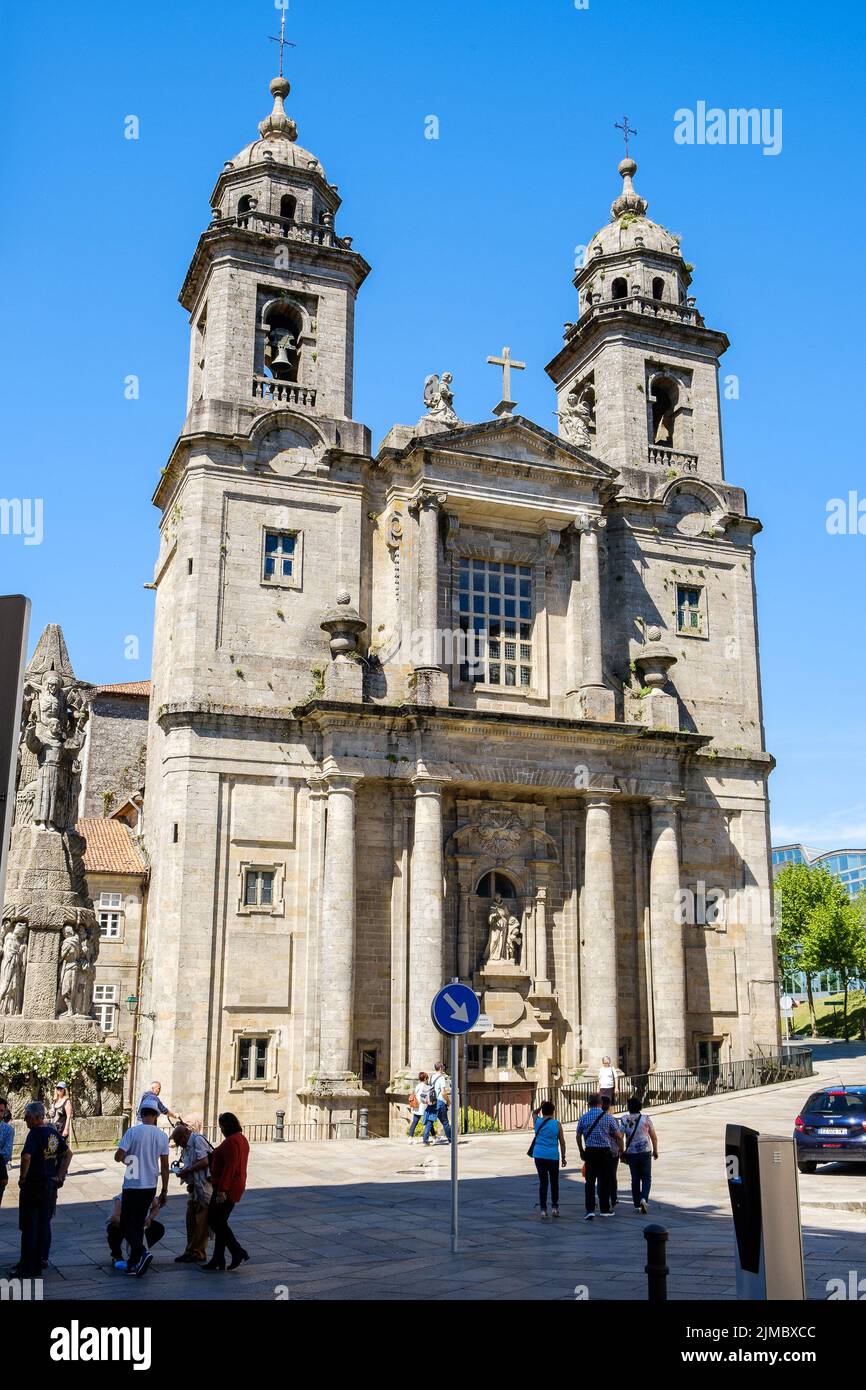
x=49 y=938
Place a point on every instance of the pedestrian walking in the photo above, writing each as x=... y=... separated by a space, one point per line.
x=228 y=1170
x=7 y=1138
x=548 y=1151
x=442 y=1090
x=195 y=1173
x=641 y=1149
x=45 y=1160
x=60 y=1111
x=594 y=1130
x=418 y=1100
x=615 y=1150
x=153 y=1231
x=144 y=1151
x=151 y=1099
x=607 y=1080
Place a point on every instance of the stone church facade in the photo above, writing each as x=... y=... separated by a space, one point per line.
x=484 y=704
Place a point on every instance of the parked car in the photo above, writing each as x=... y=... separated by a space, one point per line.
x=831 y=1128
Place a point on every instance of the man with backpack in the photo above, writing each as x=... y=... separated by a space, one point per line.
x=597 y=1134
x=194 y=1171
x=442 y=1093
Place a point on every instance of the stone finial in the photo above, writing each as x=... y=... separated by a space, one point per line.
x=278 y=123
x=628 y=200
x=344 y=626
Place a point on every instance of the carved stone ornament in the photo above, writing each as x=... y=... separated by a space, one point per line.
x=500 y=832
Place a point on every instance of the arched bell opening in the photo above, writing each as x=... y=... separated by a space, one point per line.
x=284 y=325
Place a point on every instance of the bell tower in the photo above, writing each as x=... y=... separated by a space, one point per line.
x=271 y=289
x=639 y=364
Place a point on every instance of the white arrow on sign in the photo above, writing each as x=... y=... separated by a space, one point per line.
x=458 y=1011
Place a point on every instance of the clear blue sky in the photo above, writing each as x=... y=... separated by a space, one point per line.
x=471 y=240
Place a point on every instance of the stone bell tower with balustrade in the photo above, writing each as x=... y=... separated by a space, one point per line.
x=271 y=288
x=639 y=354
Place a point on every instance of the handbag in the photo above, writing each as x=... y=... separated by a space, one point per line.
x=631 y=1137
x=531 y=1150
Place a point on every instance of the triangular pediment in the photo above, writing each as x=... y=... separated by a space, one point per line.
x=511 y=440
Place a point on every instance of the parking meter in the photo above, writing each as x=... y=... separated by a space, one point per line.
x=765 y=1202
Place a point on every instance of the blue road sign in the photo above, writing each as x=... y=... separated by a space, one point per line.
x=455 y=1010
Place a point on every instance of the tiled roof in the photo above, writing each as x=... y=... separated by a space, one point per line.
x=111 y=848
x=124 y=688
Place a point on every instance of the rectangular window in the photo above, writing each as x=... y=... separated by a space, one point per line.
x=689 y=610
x=473 y=1056
x=502 y=1058
x=369 y=1064
x=531 y=1055
x=109 y=926
x=111 y=900
x=495 y=611
x=258 y=887
x=487 y=1055
x=105 y=1006
x=280 y=556
x=252 y=1059
x=517 y=1058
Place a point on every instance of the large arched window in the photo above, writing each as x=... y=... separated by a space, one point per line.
x=658 y=288
x=495 y=882
x=619 y=288
x=282 y=348
x=288 y=206
x=664 y=397
x=246 y=205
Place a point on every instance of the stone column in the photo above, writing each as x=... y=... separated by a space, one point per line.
x=595 y=700
x=432 y=683
x=337 y=955
x=542 y=980
x=598 y=1000
x=426 y=923
x=464 y=968
x=666 y=933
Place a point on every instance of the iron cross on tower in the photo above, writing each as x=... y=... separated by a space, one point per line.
x=281 y=38
x=506 y=362
x=626 y=131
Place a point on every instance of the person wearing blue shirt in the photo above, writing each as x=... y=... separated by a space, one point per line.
x=546 y=1149
x=7 y=1134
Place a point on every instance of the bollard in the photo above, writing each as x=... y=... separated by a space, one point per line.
x=280 y=1131
x=364 y=1123
x=656 y=1263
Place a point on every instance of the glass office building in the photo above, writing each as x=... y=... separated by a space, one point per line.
x=849 y=866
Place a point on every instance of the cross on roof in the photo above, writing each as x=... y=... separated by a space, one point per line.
x=626 y=131
x=506 y=362
x=281 y=39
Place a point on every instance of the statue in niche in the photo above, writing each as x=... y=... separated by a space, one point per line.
x=575 y=420
x=12 y=968
x=505 y=936
x=87 y=970
x=439 y=399
x=54 y=734
x=70 y=957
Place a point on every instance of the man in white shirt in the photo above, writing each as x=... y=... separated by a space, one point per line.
x=442 y=1091
x=144 y=1151
x=195 y=1159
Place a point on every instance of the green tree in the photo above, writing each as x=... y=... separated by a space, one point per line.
x=800 y=890
x=836 y=940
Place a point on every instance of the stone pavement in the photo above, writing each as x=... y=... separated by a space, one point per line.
x=371 y=1220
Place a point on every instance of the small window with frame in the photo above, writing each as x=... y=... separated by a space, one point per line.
x=105 y=1006
x=691 y=611
x=252 y=1063
x=259 y=888
x=282 y=556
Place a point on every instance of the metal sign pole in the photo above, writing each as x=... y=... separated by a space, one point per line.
x=455 y=1113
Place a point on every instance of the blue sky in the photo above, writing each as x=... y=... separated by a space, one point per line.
x=471 y=238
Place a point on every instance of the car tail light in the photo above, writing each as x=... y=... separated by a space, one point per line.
x=798 y=1123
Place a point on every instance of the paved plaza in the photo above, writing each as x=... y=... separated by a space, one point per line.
x=370 y=1220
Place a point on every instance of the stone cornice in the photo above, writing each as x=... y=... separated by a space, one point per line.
x=633 y=326
x=335 y=257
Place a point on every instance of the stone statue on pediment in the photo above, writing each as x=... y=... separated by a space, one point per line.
x=439 y=399
x=575 y=421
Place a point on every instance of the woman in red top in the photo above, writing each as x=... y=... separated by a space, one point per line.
x=228 y=1171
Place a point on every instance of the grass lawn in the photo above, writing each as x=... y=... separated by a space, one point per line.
x=829 y=1019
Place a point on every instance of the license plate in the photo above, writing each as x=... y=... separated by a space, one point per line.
x=833 y=1133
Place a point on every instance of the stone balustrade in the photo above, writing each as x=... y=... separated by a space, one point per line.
x=316 y=233
x=660 y=456
x=638 y=304
x=273 y=392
